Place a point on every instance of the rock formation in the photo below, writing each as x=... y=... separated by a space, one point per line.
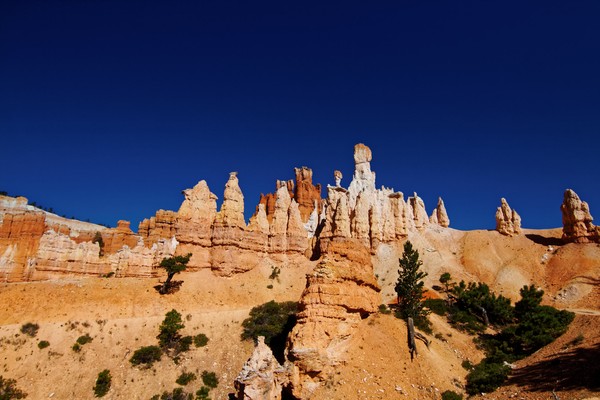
x=577 y=220
x=261 y=377
x=303 y=191
x=339 y=292
x=373 y=215
x=508 y=222
x=35 y=244
x=439 y=215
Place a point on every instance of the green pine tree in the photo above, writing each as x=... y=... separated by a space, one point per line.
x=410 y=285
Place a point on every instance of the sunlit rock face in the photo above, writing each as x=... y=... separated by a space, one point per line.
x=577 y=220
x=339 y=293
x=508 y=221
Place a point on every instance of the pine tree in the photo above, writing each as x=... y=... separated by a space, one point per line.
x=173 y=265
x=410 y=285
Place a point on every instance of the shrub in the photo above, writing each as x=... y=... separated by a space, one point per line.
x=466 y=364
x=102 y=383
x=184 y=344
x=275 y=271
x=210 y=379
x=450 y=395
x=200 y=340
x=176 y=394
x=185 y=378
x=269 y=320
x=274 y=321
x=76 y=348
x=384 y=309
x=43 y=344
x=476 y=297
x=169 y=329
x=30 y=329
x=486 y=377
x=9 y=389
x=146 y=355
x=202 y=393
x=84 y=339
x=422 y=323
x=437 y=306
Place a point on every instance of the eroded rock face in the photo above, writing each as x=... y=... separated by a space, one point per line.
x=374 y=215
x=340 y=292
x=508 y=221
x=303 y=192
x=262 y=376
x=439 y=215
x=232 y=210
x=577 y=220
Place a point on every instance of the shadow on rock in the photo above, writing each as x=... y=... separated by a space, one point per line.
x=173 y=287
x=545 y=241
x=575 y=369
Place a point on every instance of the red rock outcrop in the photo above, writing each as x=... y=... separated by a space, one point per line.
x=508 y=222
x=577 y=220
x=303 y=192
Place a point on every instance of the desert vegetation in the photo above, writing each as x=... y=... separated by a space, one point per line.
x=273 y=321
x=103 y=383
x=173 y=265
x=521 y=330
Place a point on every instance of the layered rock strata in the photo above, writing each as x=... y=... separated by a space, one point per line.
x=508 y=221
x=577 y=220
x=340 y=292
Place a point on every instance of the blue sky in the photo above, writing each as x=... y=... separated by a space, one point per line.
x=108 y=109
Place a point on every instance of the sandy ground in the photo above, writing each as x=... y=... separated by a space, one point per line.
x=123 y=314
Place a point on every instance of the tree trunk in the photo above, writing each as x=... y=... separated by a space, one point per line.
x=412 y=346
x=165 y=285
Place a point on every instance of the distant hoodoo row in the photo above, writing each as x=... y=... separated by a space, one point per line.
x=294 y=221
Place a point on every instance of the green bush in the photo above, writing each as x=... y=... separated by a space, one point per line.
x=450 y=395
x=477 y=296
x=102 y=383
x=84 y=339
x=176 y=394
x=185 y=378
x=43 y=344
x=146 y=355
x=486 y=377
x=30 y=329
x=169 y=330
x=76 y=347
x=200 y=340
x=202 y=393
x=210 y=379
x=437 y=306
x=384 y=309
x=269 y=320
x=184 y=344
x=9 y=390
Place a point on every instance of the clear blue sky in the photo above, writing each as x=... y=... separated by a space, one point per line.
x=108 y=109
